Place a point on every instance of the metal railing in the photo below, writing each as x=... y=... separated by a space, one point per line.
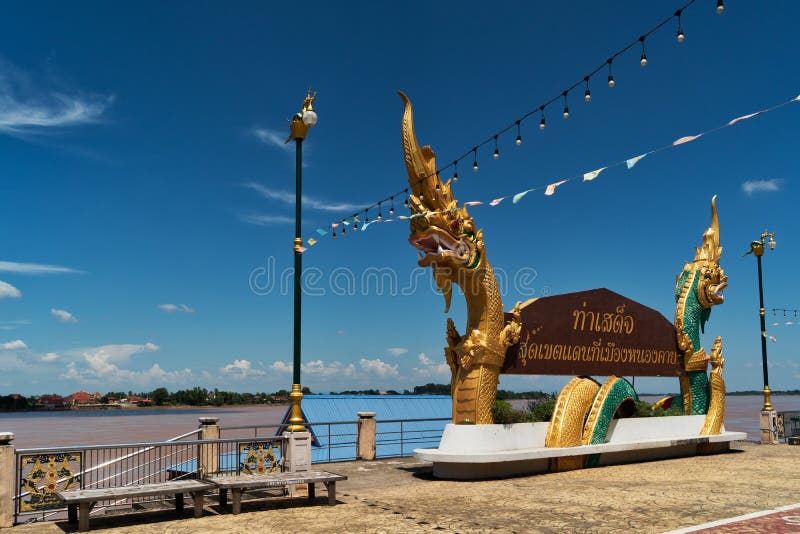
x=40 y=472
x=788 y=424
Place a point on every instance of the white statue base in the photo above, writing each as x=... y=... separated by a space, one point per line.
x=495 y=451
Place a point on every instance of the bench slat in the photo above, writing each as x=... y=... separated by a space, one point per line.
x=143 y=490
x=274 y=479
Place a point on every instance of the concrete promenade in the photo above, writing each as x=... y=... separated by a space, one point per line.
x=401 y=496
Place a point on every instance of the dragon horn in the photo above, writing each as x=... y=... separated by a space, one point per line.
x=421 y=165
x=715 y=220
x=711 y=249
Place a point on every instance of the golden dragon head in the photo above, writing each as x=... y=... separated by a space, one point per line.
x=443 y=232
x=712 y=279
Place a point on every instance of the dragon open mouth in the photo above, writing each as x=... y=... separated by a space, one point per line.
x=717 y=296
x=435 y=245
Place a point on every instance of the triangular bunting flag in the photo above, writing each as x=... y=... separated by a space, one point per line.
x=519 y=196
x=473 y=203
x=552 y=187
x=589 y=176
x=744 y=118
x=301 y=249
x=686 y=139
x=334 y=225
x=634 y=160
x=311 y=241
x=346 y=222
x=497 y=201
x=321 y=232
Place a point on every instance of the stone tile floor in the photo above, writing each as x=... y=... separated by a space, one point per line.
x=401 y=496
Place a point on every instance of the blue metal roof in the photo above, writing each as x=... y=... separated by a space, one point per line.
x=337 y=442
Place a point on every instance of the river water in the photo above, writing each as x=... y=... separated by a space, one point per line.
x=42 y=429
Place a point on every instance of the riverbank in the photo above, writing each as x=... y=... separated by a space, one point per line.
x=401 y=496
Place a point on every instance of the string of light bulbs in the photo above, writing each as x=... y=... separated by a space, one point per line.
x=786 y=312
x=516 y=125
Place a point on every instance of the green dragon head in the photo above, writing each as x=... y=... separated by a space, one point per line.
x=443 y=233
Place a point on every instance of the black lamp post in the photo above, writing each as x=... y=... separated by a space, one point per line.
x=757 y=249
x=298 y=128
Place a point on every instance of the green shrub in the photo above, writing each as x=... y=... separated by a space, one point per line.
x=541 y=411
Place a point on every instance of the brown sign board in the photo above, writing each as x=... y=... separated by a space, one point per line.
x=596 y=332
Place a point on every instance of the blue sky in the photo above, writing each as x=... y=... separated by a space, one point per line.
x=145 y=189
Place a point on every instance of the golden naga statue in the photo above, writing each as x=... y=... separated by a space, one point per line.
x=453 y=247
x=698 y=287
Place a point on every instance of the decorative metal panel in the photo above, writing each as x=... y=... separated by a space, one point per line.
x=42 y=475
x=258 y=457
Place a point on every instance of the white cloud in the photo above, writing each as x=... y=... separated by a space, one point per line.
x=762 y=186
x=50 y=357
x=26 y=108
x=430 y=369
x=272 y=138
x=17 y=344
x=281 y=367
x=379 y=368
x=13 y=325
x=34 y=268
x=317 y=368
x=241 y=369
x=287 y=197
x=63 y=316
x=396 y=351
x=9 y=291
x=170 y=308
x=267 y=220
x=102 y=365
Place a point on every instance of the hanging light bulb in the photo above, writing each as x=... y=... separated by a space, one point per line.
x=334 y=234
x=720 y=7
x=610 y=74
x=475 y=159
x=542 y=122
x=566 y=107
x=344 y=228
x=496 y=154
x=519 y=136
x=391 y=208
x=587 y=94
x=405 y=202
x=437 y=184
x=680 y=36
x=355 y=223
x=380 y=212
x=643 y=61
x=366 y=214
x=455 y=173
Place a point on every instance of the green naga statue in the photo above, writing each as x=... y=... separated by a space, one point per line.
x=699 y=286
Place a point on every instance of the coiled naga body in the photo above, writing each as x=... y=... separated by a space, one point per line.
x=449 y=243
x=699 y=286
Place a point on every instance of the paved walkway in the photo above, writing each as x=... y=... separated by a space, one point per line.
x=401 y=496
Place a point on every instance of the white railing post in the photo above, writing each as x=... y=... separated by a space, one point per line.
x=208 y=453
x=7 y=474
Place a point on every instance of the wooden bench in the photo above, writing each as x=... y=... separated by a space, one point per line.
x=239 y=483
x=80 y=502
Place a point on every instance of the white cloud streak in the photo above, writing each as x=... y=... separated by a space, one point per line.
x=272 y=138
x=762 y=186
x=267 y=220
x=379 y=368
x=286 y=197
x=172 y=308
x=26 y=108
x=242 y=369
x=63 y=316
x=17 y=344
x=430 y=369
x=35 y=268
x=9 y=291
x=396 y=351
x=103 y=365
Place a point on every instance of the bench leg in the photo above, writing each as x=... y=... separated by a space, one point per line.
x=237 y=500
x=198 y=503
x=72 y=514
x=331 y=492
x=83 y=516
x=223 y=497
x=311 y=491
x=179 y=502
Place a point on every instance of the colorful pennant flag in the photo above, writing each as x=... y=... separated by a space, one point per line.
x=744 y=118
x=634 y=160
x=589 y=176
x=551 y=189
x=473 y=203
x=497 y=201
x=519 y=196
x=311 y=241
x=686 y=139
x=321 y=232
x=301 y=249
